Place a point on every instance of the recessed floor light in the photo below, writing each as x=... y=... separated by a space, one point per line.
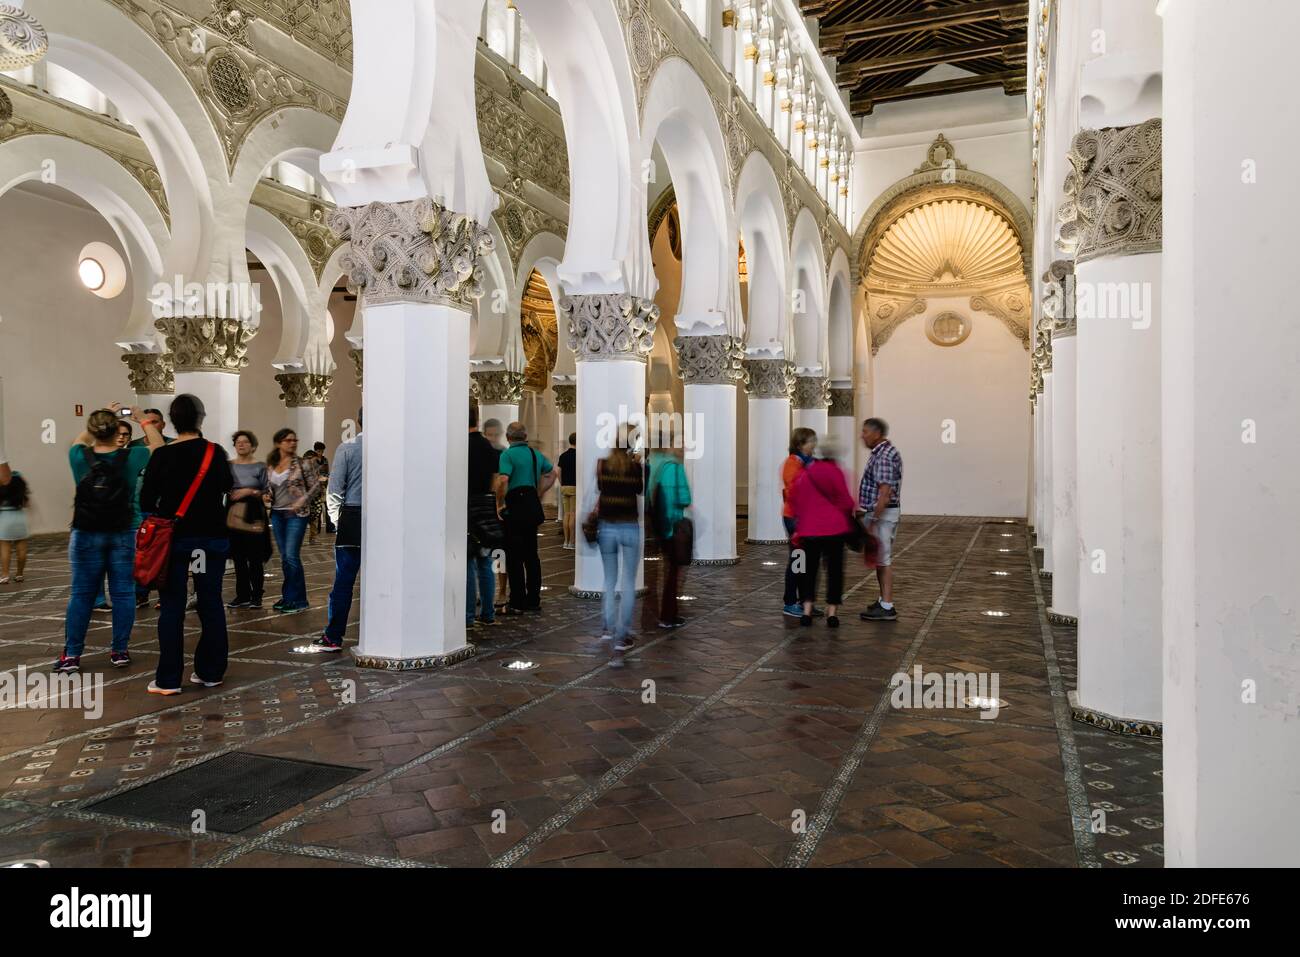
x=984 y=704
x=651 y=558
x=519 y=665
x=1007 y=534
x=545 y=588
x=1000 y=574
x=996 y=614
x=1004 y=550
x=771 y=563
x=686 y=598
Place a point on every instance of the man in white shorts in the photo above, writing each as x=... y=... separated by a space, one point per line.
x=879 y=510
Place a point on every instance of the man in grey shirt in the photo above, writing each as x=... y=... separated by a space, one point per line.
x=343 y=501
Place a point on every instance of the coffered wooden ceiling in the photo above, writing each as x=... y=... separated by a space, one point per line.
x=883 y=45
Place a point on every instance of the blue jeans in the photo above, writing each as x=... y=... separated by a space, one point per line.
x=480 y=583
x=91 y=554
x=289 y=531
x=210 y=653
x=347 y=562
x=101 y=592
x=618 y=539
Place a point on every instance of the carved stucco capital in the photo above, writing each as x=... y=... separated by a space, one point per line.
x=205 y=343
x=710 y=360
x=23 y=41
x=566 y=398
x=151 y=373
x=304 y=389
x=499 y=386
x=1058 y=298
x=610 y=326
x=811 y=392
x=415 y=251
x=841 y=403
x=358 y=362
x=1114 y=192
x=769 y=378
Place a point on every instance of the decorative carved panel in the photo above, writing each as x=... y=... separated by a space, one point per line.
x=610 y=326
x=1118 y=192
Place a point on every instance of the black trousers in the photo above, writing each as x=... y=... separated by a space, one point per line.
x=523 y=567
x=831 y=549
x=246 y=553
x=796 y=583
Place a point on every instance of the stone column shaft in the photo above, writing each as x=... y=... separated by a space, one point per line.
x=769 y=382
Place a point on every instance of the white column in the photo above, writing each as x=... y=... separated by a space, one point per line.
x=711 y=366
x=1047 y=533
x=611 y=334
x=1060 y=325
x=1117 y=294
x=770 y=381
x=565 y=388
x=1038 y=467
x=416 y=396
x=1231 y=417
x=842 y=426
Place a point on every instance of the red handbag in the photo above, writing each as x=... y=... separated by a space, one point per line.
x=153 y=542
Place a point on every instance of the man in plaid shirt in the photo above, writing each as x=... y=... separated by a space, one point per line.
x=879 y=509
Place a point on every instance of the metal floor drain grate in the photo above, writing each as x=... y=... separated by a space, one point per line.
x=234 y=791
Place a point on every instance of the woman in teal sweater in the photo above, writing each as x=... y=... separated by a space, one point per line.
x=669 y=496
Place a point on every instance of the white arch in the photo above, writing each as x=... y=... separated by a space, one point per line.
x=808 y=279
x=298 y=136
x=329 y=278
x=544 y=252
x=304 y=335
x=115 y=194
x=760 y=212
x=678 y=115
x=128 y=67
x=491 y=332
x=839 y=317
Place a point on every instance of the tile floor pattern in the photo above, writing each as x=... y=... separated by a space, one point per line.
x=739 y=740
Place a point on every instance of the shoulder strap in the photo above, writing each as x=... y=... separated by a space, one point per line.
x=537 y=478
x=198 y=480
x=88 y=454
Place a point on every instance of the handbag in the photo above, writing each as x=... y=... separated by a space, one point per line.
x=524 y=502
x=484 y=523
x=247 y=516
x=153 y=542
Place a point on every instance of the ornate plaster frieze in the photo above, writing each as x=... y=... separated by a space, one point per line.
x=519 y=221
x=1058 y=298
x=710 y=360
x=499 y=386
x=12 y=127
x=769 y=378
x=358 y=362
x=811 y=392
x=941 y=156
x=841 y=403
x=23 y=41
x=566 y=397
x=887 y=311
x=647 y=44
x=301 y=390
x=526 y=147
x=237 y=86
x=1118 y=199
x=1011 y=306
x=415 y=251
x=734 y=135
x=609 y=326
x=206 y=344
x=151 y=373
x=313 y=235
x=324 y=26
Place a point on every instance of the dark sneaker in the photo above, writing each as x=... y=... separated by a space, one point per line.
x=104 y=607
x=119 y=659
x=877 y=612
x=292 y=609
x=486 y=621
x=510 y=611
x=324 y=644
x=278 y=606
x=142 y=603
x=238 y=603
x=805 y=621
x=66 y=665
x=794 y=611
x=832 y=622
x=818 y=613
x=196 y=680
x=255 y=603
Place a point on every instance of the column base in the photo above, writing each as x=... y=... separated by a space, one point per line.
x=767 y=541
x=715 y=561
x=1044 y=573
x=1056 y=618
x=425 y=662
x=1108 y=722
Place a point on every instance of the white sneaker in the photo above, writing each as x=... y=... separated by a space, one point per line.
x=154 y=689
x=196 y=680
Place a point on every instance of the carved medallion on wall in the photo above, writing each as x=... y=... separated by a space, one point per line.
x=23 y=41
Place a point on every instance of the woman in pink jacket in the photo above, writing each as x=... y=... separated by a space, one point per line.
x=823 y=513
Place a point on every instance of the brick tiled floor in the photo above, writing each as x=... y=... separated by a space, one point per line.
x=740 y=740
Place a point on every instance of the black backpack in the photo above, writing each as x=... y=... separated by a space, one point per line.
x=103 y=501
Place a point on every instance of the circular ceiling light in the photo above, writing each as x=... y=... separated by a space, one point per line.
x=91 y=273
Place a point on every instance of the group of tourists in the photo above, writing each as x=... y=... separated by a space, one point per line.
x=822 y=519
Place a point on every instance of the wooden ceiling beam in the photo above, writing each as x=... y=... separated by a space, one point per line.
x=1012 y=82
x=854 y=71
x=835 y=39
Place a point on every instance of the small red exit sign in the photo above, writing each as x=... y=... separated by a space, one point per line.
x=78 y=412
